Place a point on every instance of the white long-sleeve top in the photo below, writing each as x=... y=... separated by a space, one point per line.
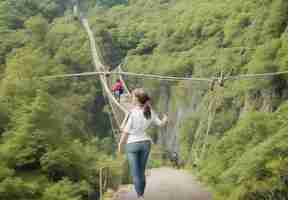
x=137 y=124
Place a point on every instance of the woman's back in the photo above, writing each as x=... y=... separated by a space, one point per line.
x=137 y=124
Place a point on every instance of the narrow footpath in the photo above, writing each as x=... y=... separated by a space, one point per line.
x=168 y=184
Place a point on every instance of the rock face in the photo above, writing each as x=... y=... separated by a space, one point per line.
x=195 y=102
x=179 y=108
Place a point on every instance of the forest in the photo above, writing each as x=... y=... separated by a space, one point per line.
x=55 y=135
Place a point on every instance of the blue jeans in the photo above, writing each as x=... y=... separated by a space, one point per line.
x=137 y=154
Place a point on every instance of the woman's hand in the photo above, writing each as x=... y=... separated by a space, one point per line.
x=164 y=120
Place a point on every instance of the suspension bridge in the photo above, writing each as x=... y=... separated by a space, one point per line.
x=188 y=187
x=163 y=183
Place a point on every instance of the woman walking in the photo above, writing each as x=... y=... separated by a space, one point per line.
x=137 y=143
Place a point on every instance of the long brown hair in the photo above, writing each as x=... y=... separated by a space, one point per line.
x=145 y=101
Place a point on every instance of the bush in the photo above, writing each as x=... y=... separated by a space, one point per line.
x=63 y=190
x=16 y=188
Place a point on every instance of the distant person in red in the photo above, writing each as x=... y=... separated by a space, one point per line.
x=118 y=89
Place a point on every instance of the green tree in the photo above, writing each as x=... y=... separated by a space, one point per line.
x=63 y=190
x=38 y=27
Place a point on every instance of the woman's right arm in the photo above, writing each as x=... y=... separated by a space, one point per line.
x=159 y=122
x=123 y=141
x=125 y=129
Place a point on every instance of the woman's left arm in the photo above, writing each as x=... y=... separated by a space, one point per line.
x=164 y=120
x=158 y=122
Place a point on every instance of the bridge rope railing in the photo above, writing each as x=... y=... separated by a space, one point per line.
x=120 y=72
x=255 y=76
x=168 y=78
x=99 y=67
x=119 y=112
x=115 y=106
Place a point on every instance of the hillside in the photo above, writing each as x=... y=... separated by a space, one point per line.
x=55 y=135
x=236 y=133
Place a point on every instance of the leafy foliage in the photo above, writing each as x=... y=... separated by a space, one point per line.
x=54 y=135
x=64 y=189
x=240 y=151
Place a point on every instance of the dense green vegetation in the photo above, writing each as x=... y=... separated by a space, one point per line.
x=54 y=135
x=236 y=135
